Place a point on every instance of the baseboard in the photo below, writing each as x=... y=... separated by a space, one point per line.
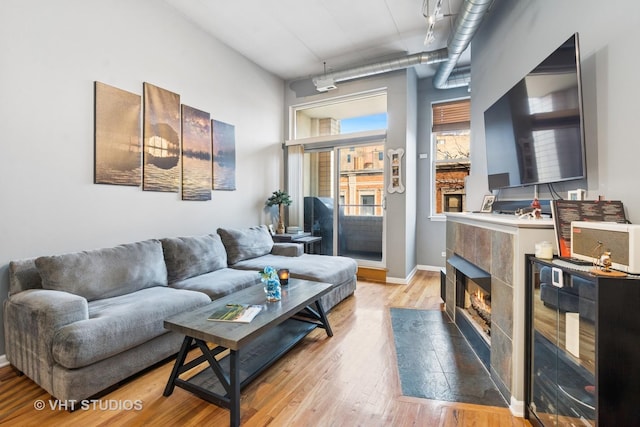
x=3 y=361
x=429 y=267
x=516 y=407
x=406 y=280
x=402 y=281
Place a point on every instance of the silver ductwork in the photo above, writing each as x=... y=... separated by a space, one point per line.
x=327 y=81
x=466 y=25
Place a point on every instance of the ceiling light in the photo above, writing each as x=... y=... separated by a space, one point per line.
x=430 y=35
x=429 y=38
x=324 y=84
x=432 y=17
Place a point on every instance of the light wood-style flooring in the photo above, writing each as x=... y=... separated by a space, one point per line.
x=347 y=380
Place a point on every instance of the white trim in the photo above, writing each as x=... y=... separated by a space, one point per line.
x=355 y=138
x=429 y=268
x=337 y=99
x=3 y=360
x=401 y=281
x=517 y=407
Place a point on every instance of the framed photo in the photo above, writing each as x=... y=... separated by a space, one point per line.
x=487 y=203
x=395 y=181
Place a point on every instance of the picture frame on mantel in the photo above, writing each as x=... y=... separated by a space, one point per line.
x=395 y=179
x=487 y=203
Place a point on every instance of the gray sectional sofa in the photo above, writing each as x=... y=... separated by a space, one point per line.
x=81 y=322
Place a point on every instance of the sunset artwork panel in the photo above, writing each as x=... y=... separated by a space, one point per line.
x=196 y=154
x=117 y=157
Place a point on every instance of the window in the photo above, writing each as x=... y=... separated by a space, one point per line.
x=367 y=201
x=450 y=140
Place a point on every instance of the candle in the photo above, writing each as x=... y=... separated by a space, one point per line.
x=544 y=250
x=283 y=275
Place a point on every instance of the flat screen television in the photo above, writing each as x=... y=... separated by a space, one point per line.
x=534 y=132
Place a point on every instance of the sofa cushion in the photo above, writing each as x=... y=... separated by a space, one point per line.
x=287 y=249
x=104 y=273
x=320 y=268
x=191 y=256
x=219 y=283
x=246 y=243
x=23 y=275
x=121 y=323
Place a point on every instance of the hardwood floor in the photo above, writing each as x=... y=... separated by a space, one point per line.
x=347 y=380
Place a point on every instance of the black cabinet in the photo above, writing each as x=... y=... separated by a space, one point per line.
x=583 y=347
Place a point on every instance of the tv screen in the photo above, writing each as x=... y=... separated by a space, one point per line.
x=534 y=132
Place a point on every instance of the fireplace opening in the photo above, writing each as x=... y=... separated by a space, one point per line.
x=473 y=306
x=477 y=307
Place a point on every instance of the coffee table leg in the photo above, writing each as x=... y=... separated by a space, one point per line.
x=234 y=389
x=182 y=355
x=323 y=318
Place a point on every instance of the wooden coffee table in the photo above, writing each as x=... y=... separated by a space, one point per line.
x=253 y=347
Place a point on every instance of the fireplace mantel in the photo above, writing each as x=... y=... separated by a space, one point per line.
x=498 y=243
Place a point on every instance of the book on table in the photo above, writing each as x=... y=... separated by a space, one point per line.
x=242 y=313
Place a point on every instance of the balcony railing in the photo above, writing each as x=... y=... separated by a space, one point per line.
x=360 y=232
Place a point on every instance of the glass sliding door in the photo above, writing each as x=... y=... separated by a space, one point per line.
x=360 y=202
x=343 y=174
x=319 y=197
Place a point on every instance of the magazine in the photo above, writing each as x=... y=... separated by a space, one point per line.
x=242 y=313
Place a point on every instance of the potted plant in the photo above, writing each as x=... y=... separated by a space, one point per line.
x=281 y=199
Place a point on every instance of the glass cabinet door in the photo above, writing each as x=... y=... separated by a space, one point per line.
x=563 y=347
x=544 y=350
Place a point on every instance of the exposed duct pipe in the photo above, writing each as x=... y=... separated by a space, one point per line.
x=327 y=81
x=466 y=25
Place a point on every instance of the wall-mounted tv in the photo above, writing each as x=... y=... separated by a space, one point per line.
x=534 y=133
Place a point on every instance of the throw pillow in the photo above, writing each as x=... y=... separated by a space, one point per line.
x=104 y=273
x=192 y=256
x=246 y=243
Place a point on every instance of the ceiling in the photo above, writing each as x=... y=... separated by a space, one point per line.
x=297 y=39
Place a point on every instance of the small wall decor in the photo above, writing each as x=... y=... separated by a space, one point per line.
x=224 y=155
x=117 y=136
x=161 y=140
x=487 y=203
x=395 y=179
x=196 y=154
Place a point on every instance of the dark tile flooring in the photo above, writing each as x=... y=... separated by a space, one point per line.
x=436 y=362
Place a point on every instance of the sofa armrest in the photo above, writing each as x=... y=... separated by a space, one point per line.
x=287 y=249
x=31 y=319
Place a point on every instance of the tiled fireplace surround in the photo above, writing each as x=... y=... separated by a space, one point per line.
x=498 y=244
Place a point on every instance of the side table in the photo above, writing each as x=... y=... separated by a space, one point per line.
x=308 y=242
x=305 y=238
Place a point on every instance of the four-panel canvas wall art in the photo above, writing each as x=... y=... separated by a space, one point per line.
x=181 y=149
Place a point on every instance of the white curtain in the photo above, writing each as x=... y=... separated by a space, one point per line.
x=295 y=175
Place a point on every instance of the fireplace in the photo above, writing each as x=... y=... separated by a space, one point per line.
x=473 y=306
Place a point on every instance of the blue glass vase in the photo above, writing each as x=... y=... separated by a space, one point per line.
x=273 y=290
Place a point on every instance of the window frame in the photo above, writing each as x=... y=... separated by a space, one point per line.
x=433 y=215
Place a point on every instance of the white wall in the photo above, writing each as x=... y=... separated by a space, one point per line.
x=519 y=34
x=52 y=52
